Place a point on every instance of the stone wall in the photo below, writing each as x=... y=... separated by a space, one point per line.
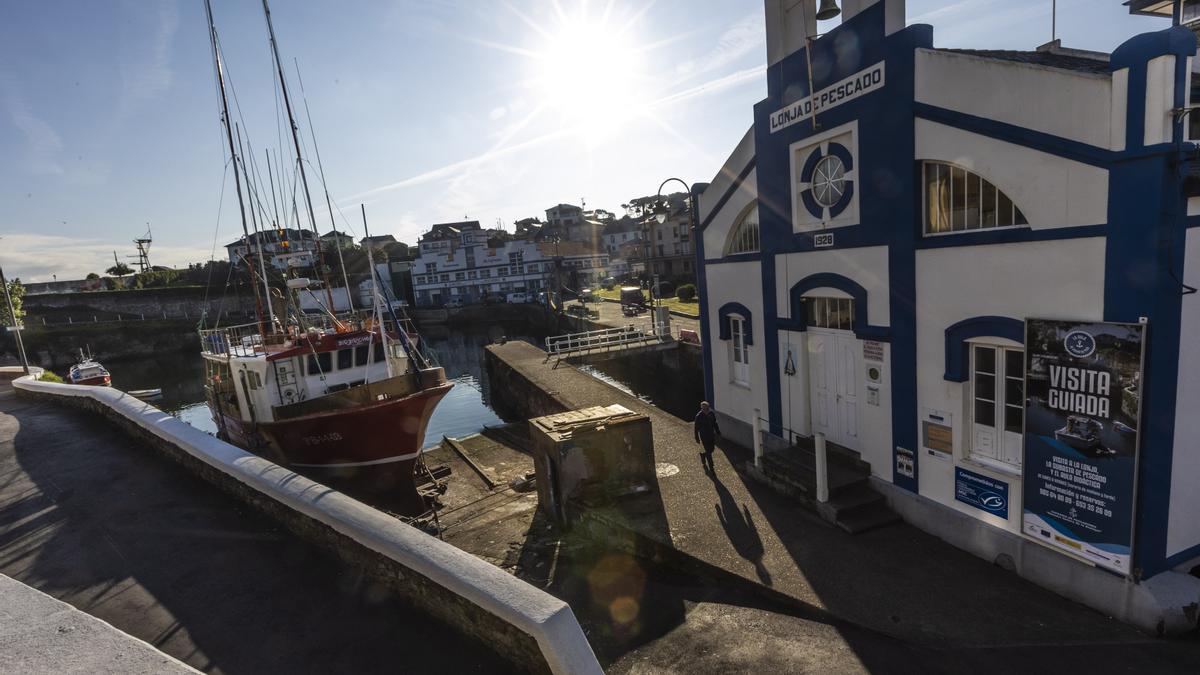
x=472 y=597
x=189 y=302
x=56 y=346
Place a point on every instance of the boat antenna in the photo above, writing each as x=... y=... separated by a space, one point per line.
x=212 y=35
x=337 y=237
x=287 y=103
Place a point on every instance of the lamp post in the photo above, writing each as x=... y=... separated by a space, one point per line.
x=663 y=211
x=16 y=326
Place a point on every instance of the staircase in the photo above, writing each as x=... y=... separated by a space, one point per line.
x=852 y=506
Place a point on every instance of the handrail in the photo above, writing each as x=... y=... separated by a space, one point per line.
x=608 y=337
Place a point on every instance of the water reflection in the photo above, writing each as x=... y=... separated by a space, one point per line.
x=464 y=411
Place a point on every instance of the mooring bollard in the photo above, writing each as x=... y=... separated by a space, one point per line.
x=758 y=445
x=822 y=469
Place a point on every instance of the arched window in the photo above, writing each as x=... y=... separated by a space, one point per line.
x=956 y=200
x=745 y=233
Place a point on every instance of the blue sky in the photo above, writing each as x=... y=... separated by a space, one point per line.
x=425 y=110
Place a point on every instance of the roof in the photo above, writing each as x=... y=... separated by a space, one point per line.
x=565 y=206
x=449 y=230
x=334 y=233
x=1097 y=64
x=379 y=239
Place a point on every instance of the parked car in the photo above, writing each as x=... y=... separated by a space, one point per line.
x=493 y=299
x=632 y=296
x=518 y=298
x=587 y=295
x=453 y=304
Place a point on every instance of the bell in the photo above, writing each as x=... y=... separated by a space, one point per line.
x=828 y=10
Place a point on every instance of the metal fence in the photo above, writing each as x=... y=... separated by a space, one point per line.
x=562 y=345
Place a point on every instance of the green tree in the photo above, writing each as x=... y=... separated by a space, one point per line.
x=17 y=292
x=92 y=275
x=119 y=270
x=686 y=292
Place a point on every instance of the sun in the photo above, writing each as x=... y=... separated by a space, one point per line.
x=590 y=72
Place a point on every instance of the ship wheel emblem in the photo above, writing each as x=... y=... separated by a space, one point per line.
x=827 y=181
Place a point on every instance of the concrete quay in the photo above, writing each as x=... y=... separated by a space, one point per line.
x=891 y=593
x=98 y=519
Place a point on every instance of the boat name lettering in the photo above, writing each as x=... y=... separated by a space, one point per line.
x=1079 y=390
x=322 y=438
x=354 y=341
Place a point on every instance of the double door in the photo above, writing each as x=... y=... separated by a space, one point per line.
x=834 y=364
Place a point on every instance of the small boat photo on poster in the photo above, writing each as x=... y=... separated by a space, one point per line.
x=1082 y=408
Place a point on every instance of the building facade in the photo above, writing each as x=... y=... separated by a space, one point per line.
x=282 y=248
x=882 y=262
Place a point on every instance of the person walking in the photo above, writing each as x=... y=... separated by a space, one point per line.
x=706 y=431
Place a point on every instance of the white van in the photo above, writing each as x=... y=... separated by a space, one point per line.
x=518 y=297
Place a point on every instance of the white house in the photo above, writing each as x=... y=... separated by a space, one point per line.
x=950 y=262
x=281 y=248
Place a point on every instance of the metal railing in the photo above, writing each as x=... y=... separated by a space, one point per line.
x=562 y=345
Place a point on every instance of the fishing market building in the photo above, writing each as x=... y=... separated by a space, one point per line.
x=976 y=270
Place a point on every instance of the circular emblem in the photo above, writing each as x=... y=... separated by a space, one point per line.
x=1079 y=344
x=829 y=181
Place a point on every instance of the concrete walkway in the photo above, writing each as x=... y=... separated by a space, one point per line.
x=898 y=581
x=39 y=634
x=114 y=529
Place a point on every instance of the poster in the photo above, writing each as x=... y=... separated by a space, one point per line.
x=985 y=494
x=1082 y=409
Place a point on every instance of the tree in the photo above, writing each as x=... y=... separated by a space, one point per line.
x=119 y=270
x=92 y=275
x=16 y=291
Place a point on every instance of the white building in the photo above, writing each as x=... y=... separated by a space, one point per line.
x=876 y=255
x=457 y=263
x=282 y=248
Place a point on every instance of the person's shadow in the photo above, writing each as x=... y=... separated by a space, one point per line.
x=739 y=527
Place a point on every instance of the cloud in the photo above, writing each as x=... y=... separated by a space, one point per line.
x=146 y=70
x=44 y=143
x=741 y=38
x=38 y=257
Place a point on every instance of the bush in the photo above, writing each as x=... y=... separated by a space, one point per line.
x=686 y=292
x=50 y=376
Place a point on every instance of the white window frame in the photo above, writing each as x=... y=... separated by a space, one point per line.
x=739 y=351
x=1002 y=457
x=967 y=178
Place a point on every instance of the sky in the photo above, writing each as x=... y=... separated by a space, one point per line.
x=424 y=111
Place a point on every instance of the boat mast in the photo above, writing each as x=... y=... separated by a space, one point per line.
x=220 y=70
x=376 y=310
x=258 y=236
x=287 y=103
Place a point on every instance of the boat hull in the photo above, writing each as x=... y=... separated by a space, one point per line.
x=97 y=381
x=366 y=450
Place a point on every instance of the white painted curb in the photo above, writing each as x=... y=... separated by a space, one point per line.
x=547 y=619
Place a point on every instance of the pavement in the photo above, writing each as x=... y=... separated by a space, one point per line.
x=39 y=634
x=112 y=528
x=611 y=315
x=892 y=593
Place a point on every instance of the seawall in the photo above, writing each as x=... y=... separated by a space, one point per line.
x=56 y=347
x=523 y=625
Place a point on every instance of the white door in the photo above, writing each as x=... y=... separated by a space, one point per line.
x=833 y=385
x=998 y=400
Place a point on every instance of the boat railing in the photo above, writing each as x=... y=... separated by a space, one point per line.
x=241 y=340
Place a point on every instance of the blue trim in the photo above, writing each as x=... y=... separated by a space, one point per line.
x=733 y=187
x=1009 y=235
x=1055 y=145
x=958 y=355
x=741 y=310
x=1183 y=556
x=702 y=293
x=735 y=258
x=799 y=321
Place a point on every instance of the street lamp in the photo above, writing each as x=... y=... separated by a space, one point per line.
x=663 y=211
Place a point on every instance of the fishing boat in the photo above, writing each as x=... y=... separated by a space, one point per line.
x=344 y=398
x=87 y=370
x=1081 y=433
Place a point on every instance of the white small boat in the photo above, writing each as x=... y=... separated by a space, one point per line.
x=145 y=393
x=89 y=371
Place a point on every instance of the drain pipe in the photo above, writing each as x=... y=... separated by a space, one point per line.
x=758 y=444
x=822 y=468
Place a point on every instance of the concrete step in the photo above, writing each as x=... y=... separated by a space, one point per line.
x=795 y=465
x=875 y=516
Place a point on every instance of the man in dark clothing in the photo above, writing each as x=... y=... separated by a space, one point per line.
x=706 y=430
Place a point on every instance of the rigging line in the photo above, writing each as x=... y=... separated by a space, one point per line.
x=212 y=254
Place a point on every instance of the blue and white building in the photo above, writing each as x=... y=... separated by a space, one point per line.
x=872 y=249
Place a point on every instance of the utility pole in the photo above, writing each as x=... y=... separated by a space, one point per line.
x=16 y=327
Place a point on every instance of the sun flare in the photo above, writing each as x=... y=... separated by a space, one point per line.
x=590 y=73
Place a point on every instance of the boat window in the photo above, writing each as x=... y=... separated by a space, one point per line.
x=320 y=363
x=345 y=358
x=360 y=355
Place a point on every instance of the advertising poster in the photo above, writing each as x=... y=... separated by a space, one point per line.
x=1082 y=405
x=985 y=494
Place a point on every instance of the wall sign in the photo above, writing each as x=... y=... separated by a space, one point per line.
x=863 y=82
x=823 y=240
x=873 y=351
x=937 y=434
x=1082 y=411
x=906 y=462
x=985 y=494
